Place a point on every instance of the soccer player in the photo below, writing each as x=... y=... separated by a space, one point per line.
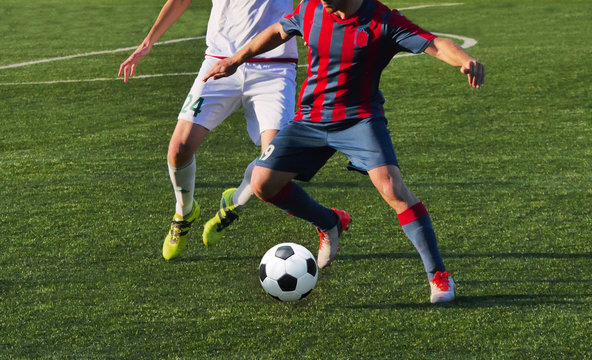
x=341 y=109
x=264 y=86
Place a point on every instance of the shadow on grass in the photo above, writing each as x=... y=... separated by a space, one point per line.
x=320 y=184
x=522 y=300
x=394 y=256
x=486 y=301
x=517 y=255
x=206 y=258
x=357 y=184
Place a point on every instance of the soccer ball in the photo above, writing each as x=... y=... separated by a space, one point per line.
x=288 y=272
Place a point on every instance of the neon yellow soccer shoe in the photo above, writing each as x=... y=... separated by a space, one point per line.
x=174 y=243
x=216 y=226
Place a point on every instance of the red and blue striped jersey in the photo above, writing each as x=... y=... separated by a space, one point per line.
x=346 y=57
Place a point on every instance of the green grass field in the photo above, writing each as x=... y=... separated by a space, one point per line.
x=85 y=199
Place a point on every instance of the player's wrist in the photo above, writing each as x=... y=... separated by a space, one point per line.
x=147 y=43
x=241 y=57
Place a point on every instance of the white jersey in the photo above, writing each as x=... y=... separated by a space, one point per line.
x=233 y=23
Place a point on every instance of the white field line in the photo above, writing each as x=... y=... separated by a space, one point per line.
x=96 y=79
x=60 y=58
x=467 y=43
x=426 y=6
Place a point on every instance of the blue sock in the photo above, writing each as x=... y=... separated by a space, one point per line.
x=295 y=201
x=417 y=225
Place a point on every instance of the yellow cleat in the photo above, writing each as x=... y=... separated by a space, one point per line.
x=174 y=243
x=215 y=227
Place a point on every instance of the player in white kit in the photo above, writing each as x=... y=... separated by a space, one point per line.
x=264 y=87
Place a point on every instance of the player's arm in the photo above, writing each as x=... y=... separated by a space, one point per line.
x=268 y=39
x=451 y=53
x=170 y=12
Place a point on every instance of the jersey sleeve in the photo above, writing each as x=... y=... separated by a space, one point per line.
x=292 y=23
x=406 y=35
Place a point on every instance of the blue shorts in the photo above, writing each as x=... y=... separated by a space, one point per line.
x=303 y=147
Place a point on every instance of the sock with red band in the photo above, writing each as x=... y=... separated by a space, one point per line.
x=417 y=225
x=295 y=201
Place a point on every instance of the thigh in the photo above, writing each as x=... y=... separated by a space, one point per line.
x=269 y=97
x=297 y=148
x=209 y=103
x=367 y=144
x=266 y=137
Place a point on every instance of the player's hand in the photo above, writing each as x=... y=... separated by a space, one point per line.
x=128 y=67
x=475 y=72
x=222 y=68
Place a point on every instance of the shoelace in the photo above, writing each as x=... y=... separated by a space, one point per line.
x=225 y=220
x=179 y=227
x=441 y=280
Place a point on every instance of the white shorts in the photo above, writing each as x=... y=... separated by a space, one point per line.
x=266 y=91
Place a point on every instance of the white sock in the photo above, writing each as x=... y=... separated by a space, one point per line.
x=183 y=181
x=244 y=192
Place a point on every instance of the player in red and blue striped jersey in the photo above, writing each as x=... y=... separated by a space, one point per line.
x=341 y=109
x=346 y=58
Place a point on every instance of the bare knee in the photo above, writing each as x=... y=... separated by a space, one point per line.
x=388 y=191
x=398 y=196
x=180 y=153
x=267 y=183
x=260 y=185
x=185 y=140
x=392 y=188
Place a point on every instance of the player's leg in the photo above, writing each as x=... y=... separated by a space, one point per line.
x=181 y=164
x=417 y=225
x=205 y=107
x=243 y=193
x=268 y=102
x=276 y=188
x=412 y=215
x=232 y=201
x=298 y=152
x=368 y=146
x=185 y=140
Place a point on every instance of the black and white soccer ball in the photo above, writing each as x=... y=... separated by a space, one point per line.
x=288 y=272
